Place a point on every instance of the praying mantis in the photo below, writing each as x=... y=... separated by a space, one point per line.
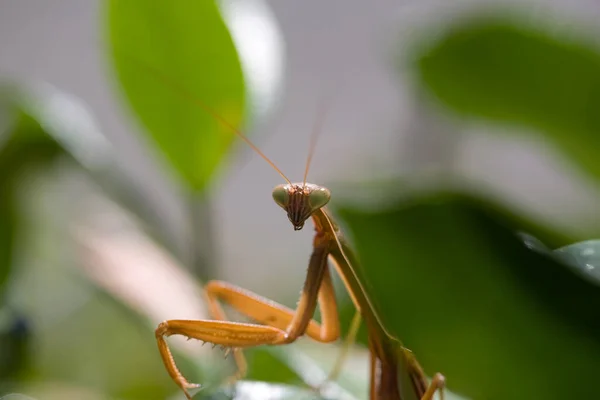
x=395 y=373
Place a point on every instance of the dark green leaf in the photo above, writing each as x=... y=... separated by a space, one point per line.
x=496 y=69
x=7 y=228
x=501 y=321
x=15 y=332
x=159 y=50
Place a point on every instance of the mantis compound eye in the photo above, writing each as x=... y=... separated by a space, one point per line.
x=281 y=196
x=319 y=197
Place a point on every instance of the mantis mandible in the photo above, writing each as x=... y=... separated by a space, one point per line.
x=395 y=372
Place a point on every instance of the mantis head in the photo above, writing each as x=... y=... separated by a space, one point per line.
x=300 y=201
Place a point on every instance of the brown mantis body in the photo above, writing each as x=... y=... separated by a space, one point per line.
x=395 y=372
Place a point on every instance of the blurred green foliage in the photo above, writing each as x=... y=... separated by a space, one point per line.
x=454 y=282
x=42 y=129
x=168 y=58
x=21 y=148
x=24 y=147
x=518 y=73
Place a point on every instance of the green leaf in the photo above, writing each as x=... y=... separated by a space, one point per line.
x=500 y=321
x=7 y=228
x=15 y=335
x=251 y=390
x=517 y=73
x=265 y=367
x=158 y=49
x=583 y=255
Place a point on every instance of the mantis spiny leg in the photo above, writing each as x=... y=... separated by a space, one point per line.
x=281 y=324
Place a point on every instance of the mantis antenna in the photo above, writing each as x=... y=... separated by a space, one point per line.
x=317 y=129
x=192 y=98
x=322 y=110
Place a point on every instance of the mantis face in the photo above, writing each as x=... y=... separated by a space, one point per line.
x=300 y=201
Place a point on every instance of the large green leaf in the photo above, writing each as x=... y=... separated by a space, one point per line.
x=167 y=54
x=515 y=73
x=501 y=321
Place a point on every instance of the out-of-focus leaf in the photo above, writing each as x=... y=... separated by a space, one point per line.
x=14 y=340
x=55 y=390
x=22 y=147
x=314 y=362
x=159 y=49
x=6 y=241
x=38 y=124
x=254 y=390
x=260 y=45
x=515 y=73
x=39 y=115
x=80 y=336
x=264 y=366
x=583 y=255
x=452 y=280
x=534 y=243
x=132 y=269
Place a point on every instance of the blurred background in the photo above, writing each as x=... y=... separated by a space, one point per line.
x=451 y=126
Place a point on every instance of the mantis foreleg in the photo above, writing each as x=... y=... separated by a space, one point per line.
x=281 y=324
